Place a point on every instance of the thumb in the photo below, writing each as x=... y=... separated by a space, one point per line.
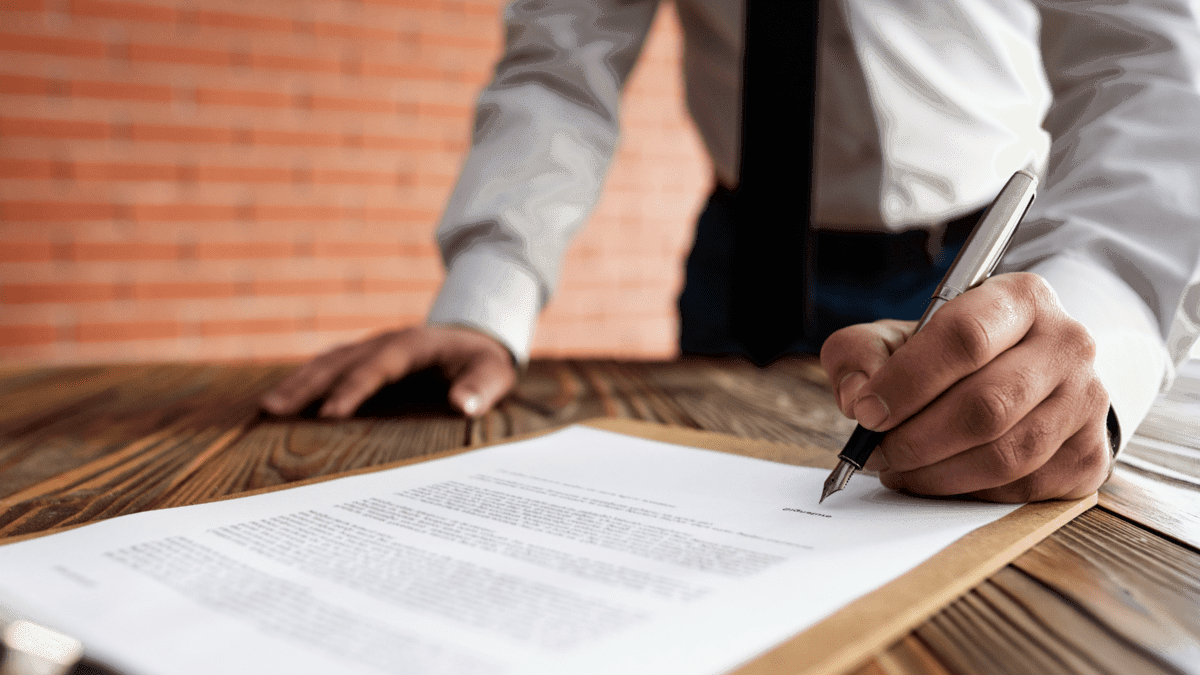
x=853 y=354
x=487 y=377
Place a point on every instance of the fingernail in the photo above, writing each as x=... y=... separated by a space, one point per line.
x=870 y=412
x=472 y=405
x=848 y=389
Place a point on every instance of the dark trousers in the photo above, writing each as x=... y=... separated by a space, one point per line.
x=861 y=277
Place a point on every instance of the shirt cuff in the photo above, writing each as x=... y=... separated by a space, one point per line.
x=493 y=296
x=1131 y=357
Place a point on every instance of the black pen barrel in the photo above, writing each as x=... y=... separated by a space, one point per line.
x=860 y=446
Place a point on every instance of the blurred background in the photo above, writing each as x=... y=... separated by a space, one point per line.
x=224 y=180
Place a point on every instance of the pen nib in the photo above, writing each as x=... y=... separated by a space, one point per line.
x=838 y=479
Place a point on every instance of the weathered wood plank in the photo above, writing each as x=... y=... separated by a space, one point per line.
x=1164 y=506
x=1138 y=586
x=1039 y=610
x=1102 y=595
x=910 y=656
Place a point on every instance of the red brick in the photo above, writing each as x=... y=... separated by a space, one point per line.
x=17 y=84
x=247 y=326
x=21 y=5
x=370 y=249
x=41 y=44
x=273 y=216
x=186 y=290
x=299 y=286
x=124 y=91
x=122 y=250
x=33 y=251
x=130 y=330
x=350 y=104
x=21 y=336
x=244 y=21
x=178 y=134
x=27 y=169
x=397 y=285
x=244 y=174
x=125 y=11
x=236 y=97
x=361 y=322
x=112 y=171
x=137 y=12
x=40 y=128
x=184 y=212
x=44 y=211
x=215 y=250
x=13 y=294
x=477 y=9
x=170 y=54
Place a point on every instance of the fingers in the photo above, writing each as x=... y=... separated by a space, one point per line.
x=486 y=378
x=390 y=360
x=965 y=335
x=996 y=397
x=479 y=366
x=1057 y=450
x=853 y=354
x=975 y=410
x=1075 y=469
x=311 y=380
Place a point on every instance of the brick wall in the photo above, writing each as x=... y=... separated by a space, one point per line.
x=211 y=179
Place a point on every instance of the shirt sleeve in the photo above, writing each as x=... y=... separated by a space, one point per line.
x=545 y=130
x=1116 y=227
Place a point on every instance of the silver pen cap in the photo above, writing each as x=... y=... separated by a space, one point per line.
x=987 y=242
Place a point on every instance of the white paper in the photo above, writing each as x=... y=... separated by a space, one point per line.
x=581 y=551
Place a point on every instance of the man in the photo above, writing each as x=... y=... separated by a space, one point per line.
x=1016 y=389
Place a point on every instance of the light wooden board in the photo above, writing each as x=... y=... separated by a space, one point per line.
x=873 y=622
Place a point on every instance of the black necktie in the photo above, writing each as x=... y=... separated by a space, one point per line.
x=773 y=251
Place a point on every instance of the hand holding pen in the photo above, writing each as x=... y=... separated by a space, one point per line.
x=996 y=395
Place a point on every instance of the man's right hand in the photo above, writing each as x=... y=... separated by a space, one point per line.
x=479 y=368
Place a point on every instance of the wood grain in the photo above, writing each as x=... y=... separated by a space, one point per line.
x=1114 y=591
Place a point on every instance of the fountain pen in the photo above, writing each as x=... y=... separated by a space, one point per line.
x=974 y=263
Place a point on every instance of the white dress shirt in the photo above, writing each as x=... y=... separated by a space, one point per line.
x=924 y=110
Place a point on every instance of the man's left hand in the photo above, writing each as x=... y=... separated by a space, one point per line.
x=996 y=397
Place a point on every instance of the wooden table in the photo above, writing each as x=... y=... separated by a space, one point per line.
x=1115 y=591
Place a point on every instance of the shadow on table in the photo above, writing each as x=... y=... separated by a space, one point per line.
x=422 y=394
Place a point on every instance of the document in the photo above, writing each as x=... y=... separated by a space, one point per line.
x=581 y=551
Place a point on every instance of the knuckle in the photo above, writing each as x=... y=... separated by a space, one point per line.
x=1077 y=341
x=1085 y=393
x=388 y=353
x=1030 y=285
x=310 y=376
x=334 y=355
x=364 y=376
x=1032 y=290
x=1095 y=461
x=1006 y=459
x=1039 y=431
x=987 y=412
x=1031 y=488
x=1097 y=395
x=967 y=340
x=837 y=345
x=1092 y=454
